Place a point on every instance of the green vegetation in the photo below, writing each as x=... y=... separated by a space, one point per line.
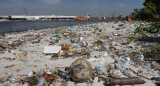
x=119 y=17
x=141 y=33
x=135 y=38
x=98 y=43
x=155 y=28
x=152 y=52
x=149 y=12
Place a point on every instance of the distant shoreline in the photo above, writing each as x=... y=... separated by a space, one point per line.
x=53 y=20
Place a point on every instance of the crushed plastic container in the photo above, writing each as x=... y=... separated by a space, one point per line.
x=66 y=41
x=119 y=58
x=41 y=82
x=126 y=62
x=30 y=74
x=141 y=57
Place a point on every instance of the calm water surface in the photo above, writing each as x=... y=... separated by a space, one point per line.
x=9 y=27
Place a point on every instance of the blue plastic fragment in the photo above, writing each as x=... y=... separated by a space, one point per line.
x=119 y=58
x=98 y=68
x=52 y=71
x=3 y=49
x=107 y=49
x=148 y=64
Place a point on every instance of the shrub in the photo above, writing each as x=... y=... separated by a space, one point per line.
x=155 y=28
x=152 y=51
x=136 y=38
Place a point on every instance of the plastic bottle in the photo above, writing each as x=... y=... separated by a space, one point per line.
x=63 y=74
x=126 y=62
x=41 y=82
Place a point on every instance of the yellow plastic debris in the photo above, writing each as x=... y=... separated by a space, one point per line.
x=72 y=50
x=10 y=42
x=13 y=64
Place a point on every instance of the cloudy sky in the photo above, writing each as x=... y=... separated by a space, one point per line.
x=69 y=7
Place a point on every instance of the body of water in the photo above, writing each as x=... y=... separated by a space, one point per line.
x=9 y=27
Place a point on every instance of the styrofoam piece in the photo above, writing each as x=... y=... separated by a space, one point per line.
x=93 y=59
x=51 y=49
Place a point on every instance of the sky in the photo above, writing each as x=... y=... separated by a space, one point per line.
x=69 y=7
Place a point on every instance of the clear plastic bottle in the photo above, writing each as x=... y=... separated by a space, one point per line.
x=41 y=82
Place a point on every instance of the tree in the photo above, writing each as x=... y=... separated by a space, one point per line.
x=119 y=17
x=151 y=11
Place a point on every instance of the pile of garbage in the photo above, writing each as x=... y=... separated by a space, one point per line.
x=83 y=54
x=81 y=71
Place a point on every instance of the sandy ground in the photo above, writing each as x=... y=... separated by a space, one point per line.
x=36 y=60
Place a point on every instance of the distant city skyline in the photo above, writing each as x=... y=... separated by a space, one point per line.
x=69 y=7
